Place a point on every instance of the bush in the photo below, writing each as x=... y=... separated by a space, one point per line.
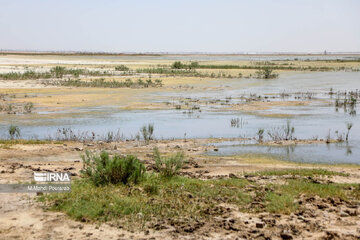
x=194 y=65
x=102 y=169
x=177 y=65
x=121 y=68
x=58 y=71
x=266 y=73
x=168 y=166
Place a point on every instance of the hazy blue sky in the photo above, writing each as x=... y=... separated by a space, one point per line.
x=180 y=26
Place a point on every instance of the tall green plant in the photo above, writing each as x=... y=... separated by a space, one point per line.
x=168 y=166
x=102 y=169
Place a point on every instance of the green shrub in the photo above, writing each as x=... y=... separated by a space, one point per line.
x=121 y=68
x=102 y=169
x=266 y=73
x=194 y=65
x=58 y=71
x=177 y=65
x=180 y=65
x=168 y=166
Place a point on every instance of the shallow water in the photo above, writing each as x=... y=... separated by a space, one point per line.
x=314 y=120
x=335 y=153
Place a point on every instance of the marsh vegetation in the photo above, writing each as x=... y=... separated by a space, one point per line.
x=260 y=65
x=102 y=83
x=122 y=191
x=55 y=72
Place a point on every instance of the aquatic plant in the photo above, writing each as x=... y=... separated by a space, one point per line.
x=352 y=112
x=328 y=137
x=349 y=125
x=283 y=133
x=147 y=132
x=348 y=103
x=340 y=136
x=260 y=134
x=289 y=130
x=68 y=134
x=14 y=132
x=110 y=136
x=235 y=122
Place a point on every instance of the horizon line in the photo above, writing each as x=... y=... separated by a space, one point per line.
x=74 y=52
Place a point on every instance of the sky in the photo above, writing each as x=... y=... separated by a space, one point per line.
x=181 y=26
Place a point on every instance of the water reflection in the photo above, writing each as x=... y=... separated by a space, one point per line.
x=348 y=150
x=332 y=153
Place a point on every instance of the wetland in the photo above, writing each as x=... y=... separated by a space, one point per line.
x=220 y=146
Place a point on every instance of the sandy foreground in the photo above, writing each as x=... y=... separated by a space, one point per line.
x=22 y=217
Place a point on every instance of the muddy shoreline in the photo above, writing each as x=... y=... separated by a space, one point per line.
x=27 y=218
